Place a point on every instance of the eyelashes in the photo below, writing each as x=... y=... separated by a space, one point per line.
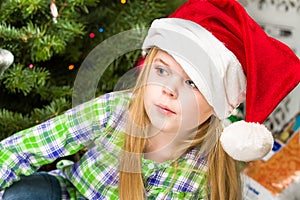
x=191 y=84
x=161 y=70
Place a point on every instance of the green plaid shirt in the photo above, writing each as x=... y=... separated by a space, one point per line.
x=98 y=124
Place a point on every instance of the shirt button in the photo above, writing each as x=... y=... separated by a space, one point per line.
x=151 y=166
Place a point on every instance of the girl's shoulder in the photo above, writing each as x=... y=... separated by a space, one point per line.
x=102 y=108
x=108 y=101
x=122 y=97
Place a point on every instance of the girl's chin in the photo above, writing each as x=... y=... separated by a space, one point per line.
x=158 y=127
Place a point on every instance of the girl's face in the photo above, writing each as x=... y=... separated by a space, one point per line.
x=172 y=101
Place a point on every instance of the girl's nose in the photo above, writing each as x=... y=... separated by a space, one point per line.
x=170 y=91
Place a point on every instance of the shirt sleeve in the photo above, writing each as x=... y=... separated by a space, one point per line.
x=24 y=152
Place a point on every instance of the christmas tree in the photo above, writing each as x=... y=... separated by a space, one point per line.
x=49 y=40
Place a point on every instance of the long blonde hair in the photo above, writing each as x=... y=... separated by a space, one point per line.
x=223 y=174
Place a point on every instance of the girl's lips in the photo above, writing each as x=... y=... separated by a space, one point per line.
x=165 y=109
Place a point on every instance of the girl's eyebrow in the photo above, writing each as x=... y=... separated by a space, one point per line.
x=160 y=60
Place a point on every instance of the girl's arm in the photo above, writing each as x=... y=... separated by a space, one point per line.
x=24 y=152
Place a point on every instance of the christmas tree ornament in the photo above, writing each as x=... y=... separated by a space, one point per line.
x=54 y=11
x=6 y=59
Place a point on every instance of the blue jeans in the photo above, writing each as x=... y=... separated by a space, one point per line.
x=38 y=186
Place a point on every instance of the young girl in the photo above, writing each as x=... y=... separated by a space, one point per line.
x=164 y=139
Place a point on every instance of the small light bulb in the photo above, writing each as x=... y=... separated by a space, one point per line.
x=92 y=35
x=71 y=67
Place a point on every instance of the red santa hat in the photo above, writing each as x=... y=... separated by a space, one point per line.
x=231 y=59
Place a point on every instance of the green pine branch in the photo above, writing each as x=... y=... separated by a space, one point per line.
x=10 y=121
x=19 y=79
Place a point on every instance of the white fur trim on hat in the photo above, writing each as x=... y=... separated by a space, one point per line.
x=246 y=141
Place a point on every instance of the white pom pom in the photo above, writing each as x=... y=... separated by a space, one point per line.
x=246 y=141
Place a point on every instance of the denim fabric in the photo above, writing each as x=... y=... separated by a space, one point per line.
x=38 y=186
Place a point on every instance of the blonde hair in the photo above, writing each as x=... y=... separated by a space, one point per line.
x=223 y=175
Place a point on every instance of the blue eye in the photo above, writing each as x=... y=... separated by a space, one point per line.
x=161 y=71
x=191 y=84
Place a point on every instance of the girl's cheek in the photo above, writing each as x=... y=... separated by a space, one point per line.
x=189 y=105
